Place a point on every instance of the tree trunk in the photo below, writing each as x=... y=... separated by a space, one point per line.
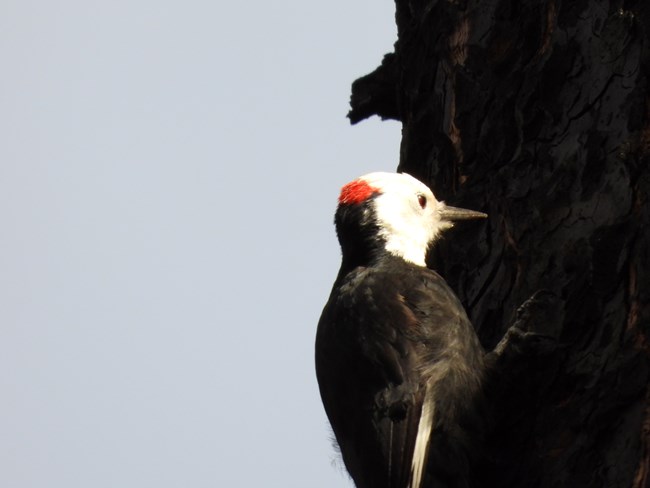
x=538 y=112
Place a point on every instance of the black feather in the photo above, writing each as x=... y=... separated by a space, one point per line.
x=390 y=329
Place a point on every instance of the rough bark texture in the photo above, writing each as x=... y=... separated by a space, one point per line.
x=538 y=112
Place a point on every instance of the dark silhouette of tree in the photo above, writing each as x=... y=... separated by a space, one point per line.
x=538 y=112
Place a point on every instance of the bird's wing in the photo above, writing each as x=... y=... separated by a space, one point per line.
x=435 y=313
x=374 y=363
x=452 y=366
x=415 y=347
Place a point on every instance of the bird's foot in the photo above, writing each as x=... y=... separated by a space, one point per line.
x=536 y=327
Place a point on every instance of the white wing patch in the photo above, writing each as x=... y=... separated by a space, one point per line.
x=421 y=448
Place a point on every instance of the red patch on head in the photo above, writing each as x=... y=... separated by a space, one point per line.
x=357 y=191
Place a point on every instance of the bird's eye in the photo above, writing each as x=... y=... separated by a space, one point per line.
x=422 y=200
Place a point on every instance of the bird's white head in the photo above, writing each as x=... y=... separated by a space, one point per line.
x=406 y=216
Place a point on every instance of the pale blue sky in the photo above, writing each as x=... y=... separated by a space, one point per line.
x=168 y=177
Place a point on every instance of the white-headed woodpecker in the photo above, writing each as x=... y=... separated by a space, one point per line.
x=397 y=359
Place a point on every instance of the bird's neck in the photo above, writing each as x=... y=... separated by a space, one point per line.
x=375 y=258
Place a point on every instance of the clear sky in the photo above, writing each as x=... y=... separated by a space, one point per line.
x=168 y=177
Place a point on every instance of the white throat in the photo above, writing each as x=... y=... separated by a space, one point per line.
x=406 y=249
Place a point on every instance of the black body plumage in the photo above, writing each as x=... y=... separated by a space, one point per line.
x=394 y=348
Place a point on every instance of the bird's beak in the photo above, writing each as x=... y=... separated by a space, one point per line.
x=454 y=213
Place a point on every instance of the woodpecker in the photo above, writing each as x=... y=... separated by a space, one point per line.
x=397 y=359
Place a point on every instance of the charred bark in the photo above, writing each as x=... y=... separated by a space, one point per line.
x=538 y=112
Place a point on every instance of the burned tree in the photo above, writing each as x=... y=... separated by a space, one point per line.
x=538 y=112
